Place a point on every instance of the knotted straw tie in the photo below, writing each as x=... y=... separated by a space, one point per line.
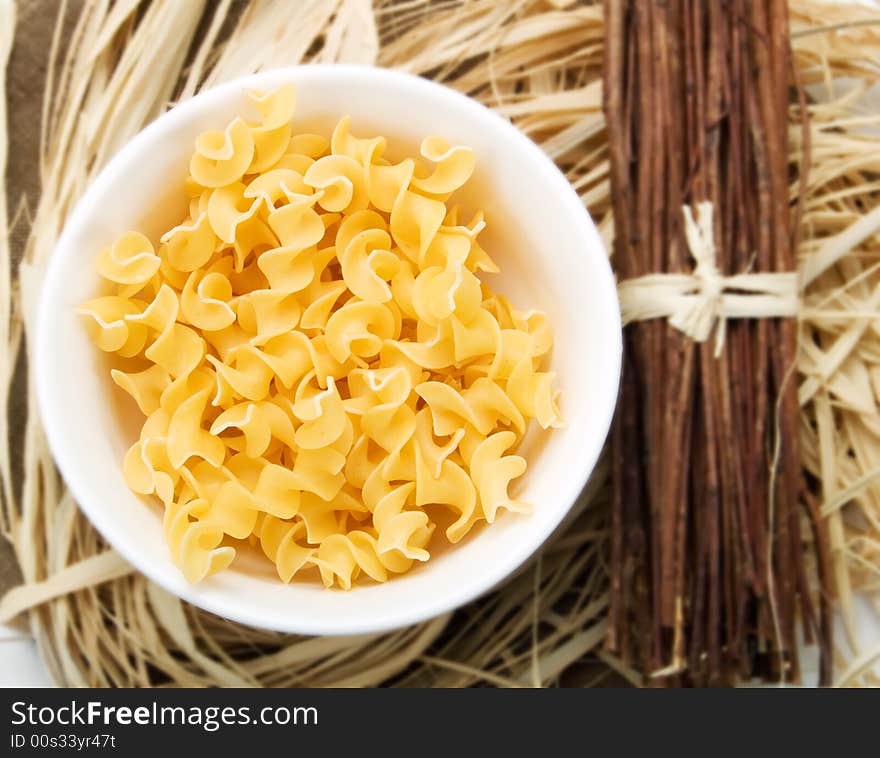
x=696 y=302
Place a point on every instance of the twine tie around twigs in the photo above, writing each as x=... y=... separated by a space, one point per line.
x=695 y=303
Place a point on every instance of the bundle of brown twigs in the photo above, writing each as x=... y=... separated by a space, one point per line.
x=711 y=568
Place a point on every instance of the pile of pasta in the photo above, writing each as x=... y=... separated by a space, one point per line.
x=316 y=358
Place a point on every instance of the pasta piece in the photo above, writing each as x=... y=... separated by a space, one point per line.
x=363 y=151
x=438 y=294
x=319 y=517
x=272 y=136
x=109 y=328
x=453 y=167
x=322 y=414
x=221 y=158
x=341 y=557
x=432 y=453
x=359 y=328
x=278 y=539
x=187 y=438
x=297 y=224
x=146 y=387
x=415 y=220
x=533 y=393
x=453 y=488
x=257 y=424
x=368 y=264
x=130 y=260
x=385 y=185
x=276 y=186
x=341 y=181
x=268 y=313
x=147 y=470
x=190 y=246
x=287 y=356
x=402 y=532
x=230 y=506
x=204 y=301
x=176 y=348
x=379 y=397
x=249 y=378
x=278 y=491
x=492 y=472
x=482 y=406
x=195 y=544
x=310 y=145
x=228 y=208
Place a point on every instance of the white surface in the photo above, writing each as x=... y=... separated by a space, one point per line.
x=20 y=665
x=539 y=233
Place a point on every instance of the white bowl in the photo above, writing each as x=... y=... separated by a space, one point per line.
x=551 y=258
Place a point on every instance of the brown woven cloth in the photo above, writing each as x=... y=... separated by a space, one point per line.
x=25 y=78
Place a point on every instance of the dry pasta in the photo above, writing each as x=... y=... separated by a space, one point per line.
x=317 y=361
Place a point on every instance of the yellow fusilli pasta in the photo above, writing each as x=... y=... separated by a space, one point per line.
x=317 y=361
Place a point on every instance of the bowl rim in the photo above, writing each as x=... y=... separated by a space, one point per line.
x=165 y=125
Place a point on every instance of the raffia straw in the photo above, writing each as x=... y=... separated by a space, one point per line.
x=840 y=354
x=96 y=622
x=537 y=62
